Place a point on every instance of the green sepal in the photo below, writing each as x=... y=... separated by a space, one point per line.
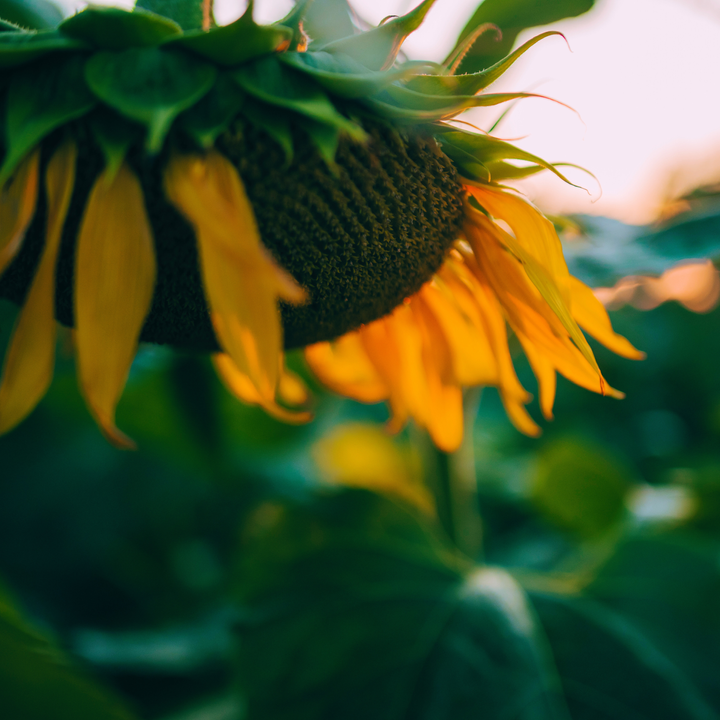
x=378 y=48
x=188 y=14
x=236 y=43
x=473 y=82
x=205 y=120
x=40 y=99
x=6 y=26
x=269 y=80
x=20 y=47
x=501 y=170
x=115 y=29
x=32 y=14
x=150 y=85
x=115 y=135
x=343 y=76
x=435 y=107
x=294 y=20
x=325 y=138
x=485 y=149
x=328 y=20
x=275 y=124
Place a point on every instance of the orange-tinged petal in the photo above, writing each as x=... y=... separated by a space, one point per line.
x=242 y=282
x=344 y=366
x=593 y=318
x=114 y=282
x=18 y=197
x=243 y=388
x=30 y=359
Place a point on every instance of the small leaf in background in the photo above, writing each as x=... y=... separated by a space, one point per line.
x=188 y=14
x=32 y=14
x=512 y=17
x=579 y=487
x=37 y=682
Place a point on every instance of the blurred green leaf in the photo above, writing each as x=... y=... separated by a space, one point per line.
x=356 y=610
x=37 y=682
x=186 y=13
x=579 y=486
x=32 y=14
x=328 y=20
x=611 y=250
x=512 y=17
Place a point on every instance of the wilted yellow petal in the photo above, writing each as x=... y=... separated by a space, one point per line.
x=18 y=197
x=31 y=356
x=114 y=282
x=242 y=283
x=593 y=318
x=243 y=388
x=343 y=366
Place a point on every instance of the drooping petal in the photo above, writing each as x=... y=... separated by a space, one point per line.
x=114 y=282
x=343 y=366
x=242 y=387
x=30 y=358
x=593 y=318
x=242 y=282
x=18 y=197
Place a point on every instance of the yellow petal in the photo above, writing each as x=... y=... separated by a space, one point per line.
x=18 y=197
x=242 y=387
x=242 y=283
x=593 y=318
x=31 y=356
x=114 y=282
x=344 y=367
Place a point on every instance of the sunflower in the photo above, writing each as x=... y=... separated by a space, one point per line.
x=237 y=191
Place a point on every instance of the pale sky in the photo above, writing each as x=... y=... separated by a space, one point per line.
x=642 y=75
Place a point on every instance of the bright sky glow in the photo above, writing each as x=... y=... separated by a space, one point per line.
x=641 y=75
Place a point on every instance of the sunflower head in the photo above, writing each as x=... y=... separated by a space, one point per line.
x=243 y=189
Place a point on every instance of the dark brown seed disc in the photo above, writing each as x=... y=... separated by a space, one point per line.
x=359 y=240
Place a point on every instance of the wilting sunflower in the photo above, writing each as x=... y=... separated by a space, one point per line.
x=237 y=191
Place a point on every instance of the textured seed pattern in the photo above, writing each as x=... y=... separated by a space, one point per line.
x=360 y=238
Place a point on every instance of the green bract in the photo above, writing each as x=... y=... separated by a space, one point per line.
x=143 y=68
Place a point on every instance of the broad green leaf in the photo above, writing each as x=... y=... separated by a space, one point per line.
x=37 y=682
x=236 y=43
x=40 y=99
x=611 y=250
x=512 y=17
x=377 y=49
x=608 y=668
x=269 y=80
x=18 y=48
x=187 y=14
x=578 y=487
x=32 y=14
x=355 y=609
x=205 y=120
x=342 y=75
x=471 y=83
x=275 y=124
x=115 y=29
x=150 y=85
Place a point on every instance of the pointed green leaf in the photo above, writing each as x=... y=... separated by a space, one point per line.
x=343 y=76
x=295 y=21
x=377 y=49
x=269 y=80
x=115 y=29
x=236 y=43
x=325 y=138
x=149 y=85
x=18 y=48
x=37 y=682
x=512 y=17
x=32 y=14
x=471 y=83
x=275 y=124
x=205 y=120
x=187 y=14
x=115 y=135
x=328 y=20
x=40 y=99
